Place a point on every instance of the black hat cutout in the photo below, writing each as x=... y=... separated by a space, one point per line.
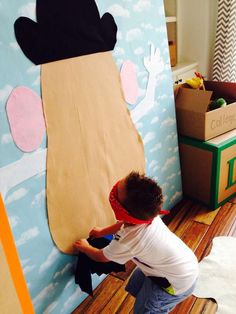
x=65 y=29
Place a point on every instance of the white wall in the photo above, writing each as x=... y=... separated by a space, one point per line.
x=196 y=28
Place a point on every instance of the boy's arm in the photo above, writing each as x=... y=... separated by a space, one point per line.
x=101 y=232
x=92 y=252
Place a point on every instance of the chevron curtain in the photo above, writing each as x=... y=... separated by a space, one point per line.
x=224 y=65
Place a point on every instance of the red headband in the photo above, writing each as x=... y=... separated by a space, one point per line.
x=121 y=213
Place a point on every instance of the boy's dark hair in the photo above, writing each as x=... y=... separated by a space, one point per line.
x=143 y=196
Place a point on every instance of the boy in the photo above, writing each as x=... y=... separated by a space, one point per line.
x=167 y=268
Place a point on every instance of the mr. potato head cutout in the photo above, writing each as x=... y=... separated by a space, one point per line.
x=92 y=141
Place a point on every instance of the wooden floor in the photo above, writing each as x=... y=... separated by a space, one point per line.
x=196 y=226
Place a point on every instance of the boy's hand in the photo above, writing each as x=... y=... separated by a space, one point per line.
x=81 y=245
x=96 y=232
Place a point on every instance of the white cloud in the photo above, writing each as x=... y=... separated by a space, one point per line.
x=149 y=137
x=37 y=81
x=28 y=10
x=38 y=198
x=171 y=136
x=176 y=196
x=14 y=45
x=119 y=62
x=13 y=221
x=50 y=308
x=45 y=293
x=24 y=261
x=138 y=51
x=119 y=35
x=118 y=10
x=156 y=147
x=5 y=92
x=165 y=186
x=156 y=168
x=152 y=164
x=161 y=97
x=69 y=283
x=155 y=120
x=161 y=29
x=16 y=195
x=63 y=271
x=168 y=122
x=71 y=299
x=134 y=34
x=6 y=138
x=142 y=5
x=27 y=269
x=172 y=176
x=33 y=69
x=169 y=162
x=27 y=235
x=118 y=51
x=176 y=149
x=50 y=260
x=147 y=26
x=139 y=125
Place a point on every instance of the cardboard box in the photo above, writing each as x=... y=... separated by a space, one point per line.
x=209 y=168
x=194 y=120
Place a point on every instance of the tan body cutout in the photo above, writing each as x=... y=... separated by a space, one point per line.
x=92 y=143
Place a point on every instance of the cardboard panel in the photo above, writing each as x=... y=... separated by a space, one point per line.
x=14 y=295
x=191 y=102
x=225 y=190
x=92 y=143
x=191 y=123
x=196 y=167
x=220 y=120
x=193 y=99
x=9 y=302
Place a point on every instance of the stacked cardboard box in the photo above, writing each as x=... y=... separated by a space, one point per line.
x=207 y=142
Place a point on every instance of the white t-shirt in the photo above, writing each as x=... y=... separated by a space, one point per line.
x=157 y=252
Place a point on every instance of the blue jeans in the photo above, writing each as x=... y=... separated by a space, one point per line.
x=150 y=298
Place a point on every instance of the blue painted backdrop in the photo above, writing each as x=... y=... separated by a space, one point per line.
x=49 y=273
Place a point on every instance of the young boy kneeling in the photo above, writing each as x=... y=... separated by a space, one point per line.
x=167 y=268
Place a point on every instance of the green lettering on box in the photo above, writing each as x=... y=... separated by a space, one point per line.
x=231 y=173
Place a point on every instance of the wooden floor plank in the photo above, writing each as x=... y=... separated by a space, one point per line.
x=206 y=216
x=116 y=301
x=194 y=234
x=176 y=222
x=204 y=306
x=220 y=226
x=126 y=306
x=102 y=295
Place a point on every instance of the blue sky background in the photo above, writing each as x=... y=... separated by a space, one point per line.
x=49 y=273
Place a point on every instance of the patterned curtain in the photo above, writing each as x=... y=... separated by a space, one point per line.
x=224 y=66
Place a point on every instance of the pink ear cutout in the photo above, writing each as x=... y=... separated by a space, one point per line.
x=129 y=82
x=25 y=115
